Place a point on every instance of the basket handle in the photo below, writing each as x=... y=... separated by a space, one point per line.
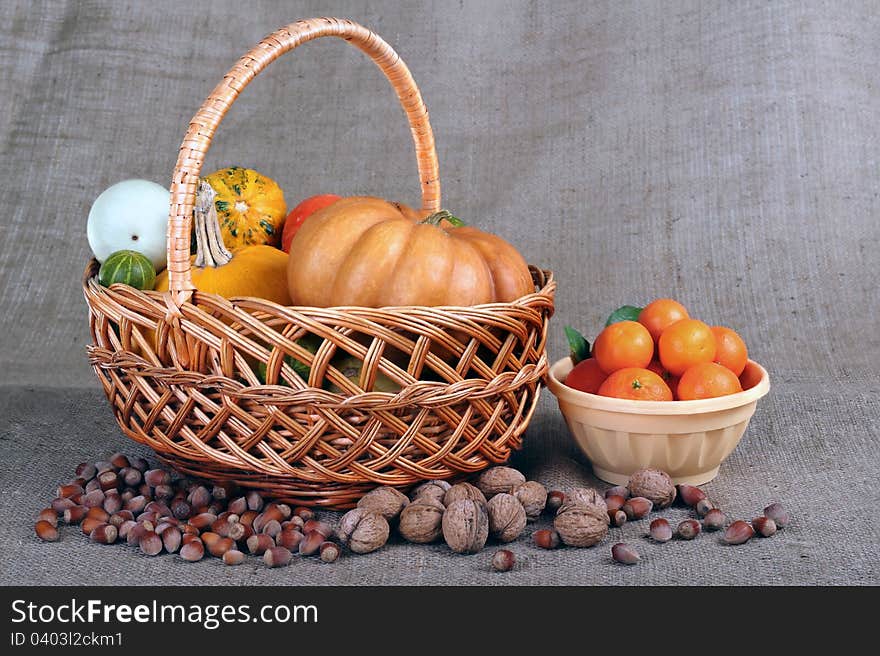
x=185 y=181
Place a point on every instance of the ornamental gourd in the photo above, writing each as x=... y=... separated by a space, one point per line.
x=250 y=207
x=257 y=271
x=369 y=252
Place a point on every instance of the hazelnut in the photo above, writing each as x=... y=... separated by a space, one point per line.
x=156 y=477
x=86 y=470
x=363 y=531
x=67 y=491
x=104 y=534
x=124 y=528
x=108 y=480
x=778 y=514
x=661 y=531
x=546 y=538
x=617 y=518
x=193 y=550
x=496 y=480
x=328 y=552
x=614 y=502
x=703 y=507
x=97 y=512
x=277 y=557
x=119 y=460
x=139 y=463
x=637 y=507
x=533 y=497
x=387 y=501
x=171 y=539
x=465 y=524
x=45 y=531
x=431 y=489
x=233 y=557
x=49 y=515
x=199 y=496
x=463 y=491
x=584 y=496
x=270 y=528
x=714 y=520
x=690 y=495
x=507 y=517
x=420 y=521
x=254 y=500
x=318 y=526
x=310 y=543
x=93 y=499
x=287 y=539
x=739 y=532
x=764 y=526
x=654 y=485
x=503 y=560
x=555 y=499
x=238 y=506
x=220 y=546
x=624 y=554
x=60 y=504
x=150 y=544
x=688 y=529
x=259 y=542
x=303 y=513
x=75 y=514
x=617 y=491
x=581 y=526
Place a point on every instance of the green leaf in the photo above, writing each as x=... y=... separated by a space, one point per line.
x=580 y=347
x=624 y=313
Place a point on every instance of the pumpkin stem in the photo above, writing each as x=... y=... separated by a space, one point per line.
x=210 y=250
x=443 y=215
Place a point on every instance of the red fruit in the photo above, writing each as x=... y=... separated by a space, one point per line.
x=586 y=376
x=300 y=213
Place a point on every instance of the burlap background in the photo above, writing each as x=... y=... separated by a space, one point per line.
x=721 y=153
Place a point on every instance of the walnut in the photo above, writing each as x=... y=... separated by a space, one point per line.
x=387 y=501
x=652 y=484
x=581 y=526
x=584 y=496
x=496 y=480
x=463 y=491
x=465 y=526
x=362 y=530
x=507 y=517
x=533 y=497
x=430 y=489
x=420 y=521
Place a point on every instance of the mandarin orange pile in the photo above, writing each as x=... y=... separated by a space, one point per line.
x=664 y=355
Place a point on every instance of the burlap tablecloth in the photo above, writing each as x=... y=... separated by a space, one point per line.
x=721 y=153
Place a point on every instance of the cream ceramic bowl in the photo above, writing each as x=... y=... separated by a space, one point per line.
x=687 y=439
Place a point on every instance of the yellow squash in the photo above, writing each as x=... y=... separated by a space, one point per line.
x=250 y=207
x=253 y=271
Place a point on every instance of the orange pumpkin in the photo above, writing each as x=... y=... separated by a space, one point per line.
x=369 y=252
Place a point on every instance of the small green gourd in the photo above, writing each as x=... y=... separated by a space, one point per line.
x=128 y=267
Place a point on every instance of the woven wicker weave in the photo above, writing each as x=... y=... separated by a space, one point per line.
x=180 y=368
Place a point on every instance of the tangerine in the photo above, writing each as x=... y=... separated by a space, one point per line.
x=586 y=376
x=684 y=344
x=730 y=349
x=668 y=378
x=707 y=380
x=623 y=344
x=637 y=384
x=660 y=314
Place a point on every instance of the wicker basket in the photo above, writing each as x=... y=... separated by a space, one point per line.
x=179 y=367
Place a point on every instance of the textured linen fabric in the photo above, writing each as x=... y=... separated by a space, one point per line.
x=724 y=154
